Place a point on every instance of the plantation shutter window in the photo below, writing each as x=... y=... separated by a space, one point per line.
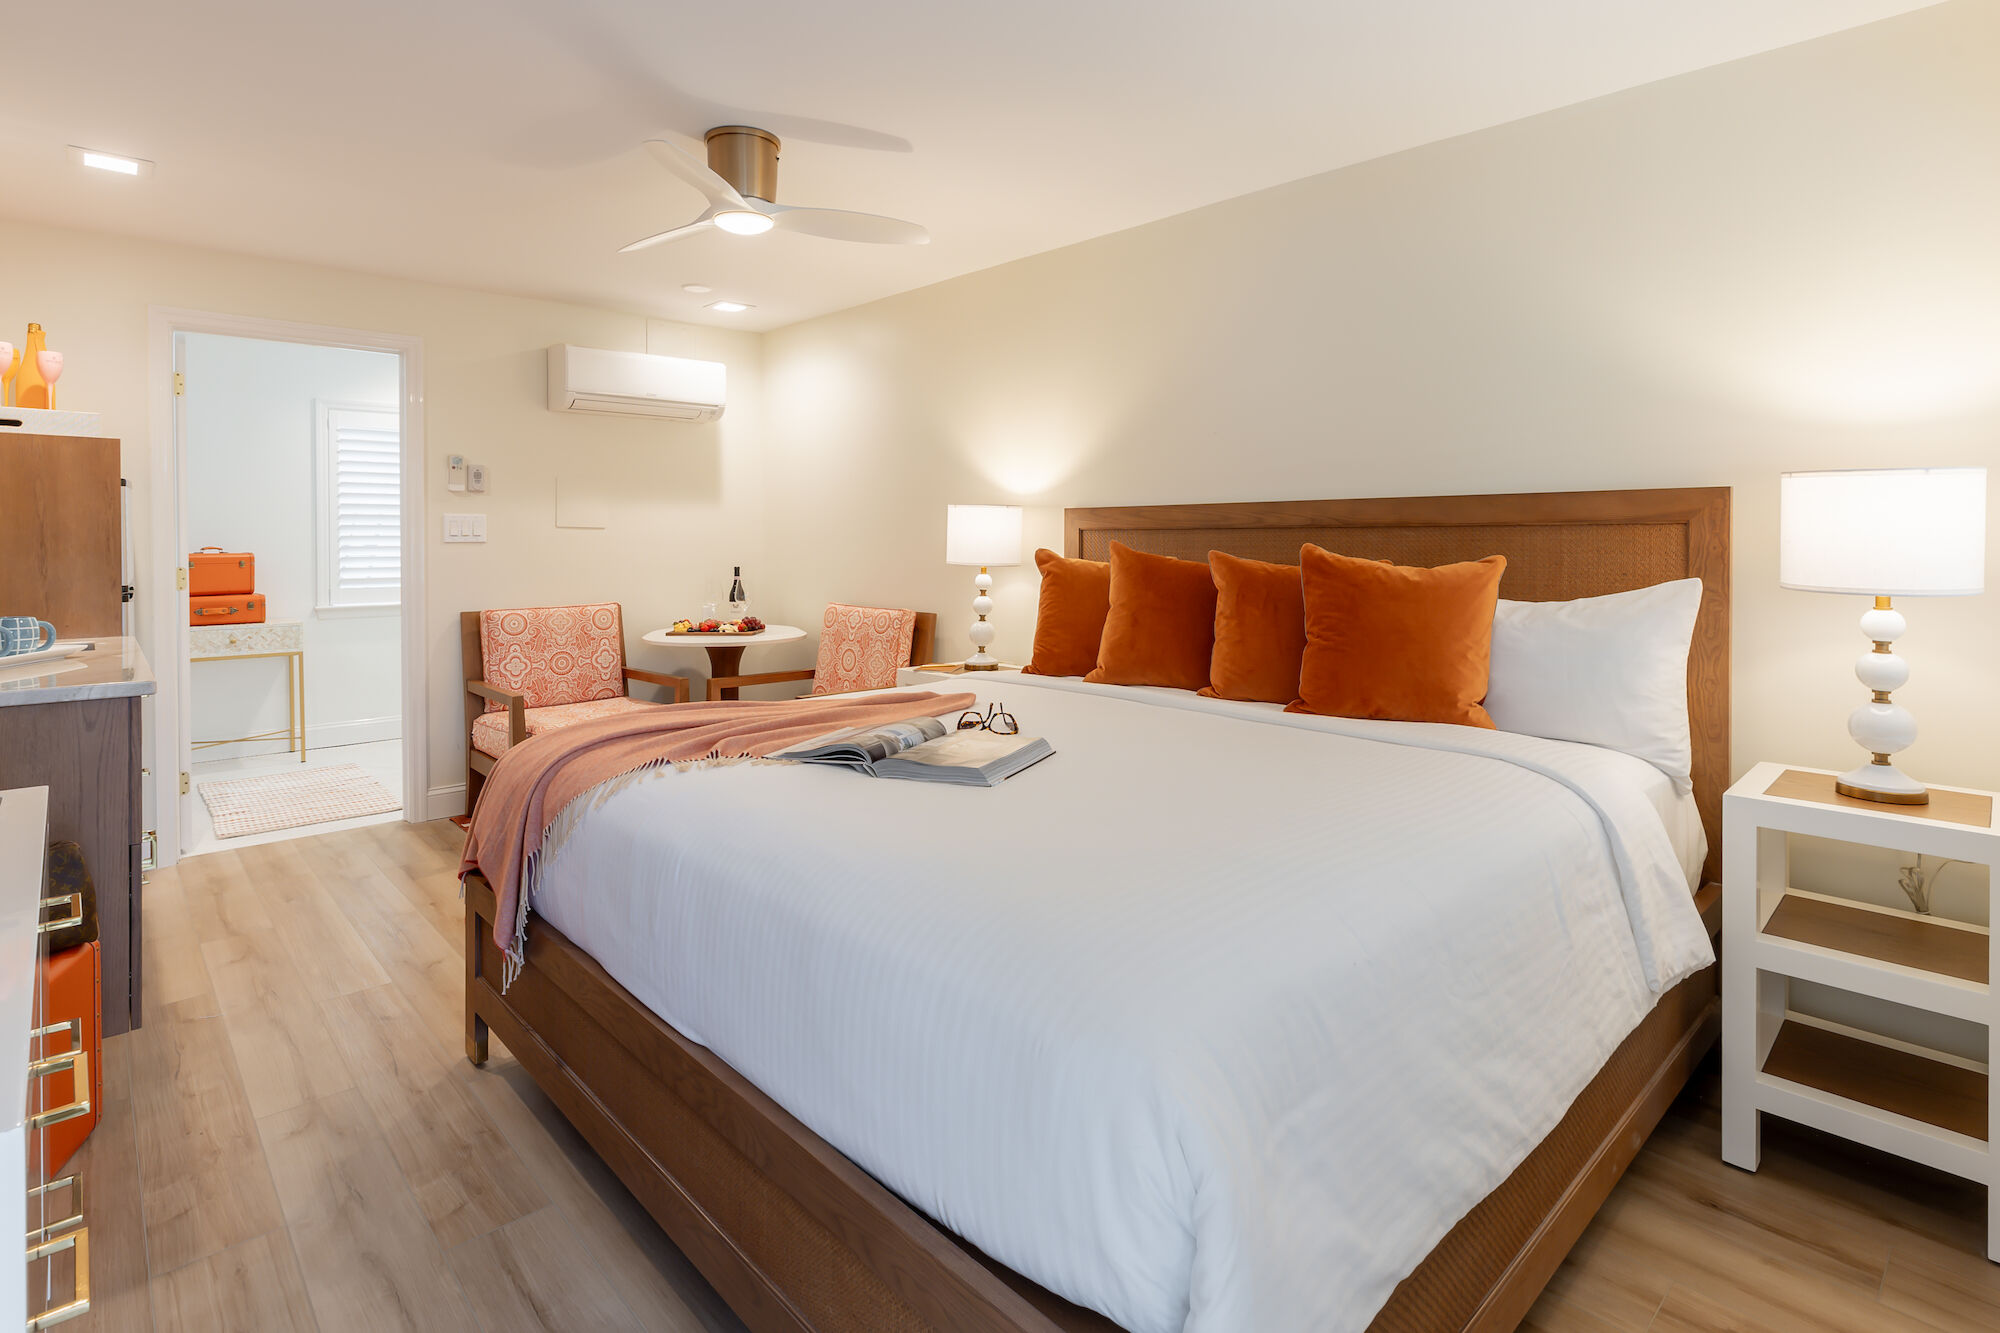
x=361 y=509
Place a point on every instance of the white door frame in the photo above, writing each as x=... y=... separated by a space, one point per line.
x=167 y=642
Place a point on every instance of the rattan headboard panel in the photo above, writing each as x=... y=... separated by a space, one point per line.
x=1558 y=545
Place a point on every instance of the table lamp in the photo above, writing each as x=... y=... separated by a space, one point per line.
x=1883 y=533
x=986 y=536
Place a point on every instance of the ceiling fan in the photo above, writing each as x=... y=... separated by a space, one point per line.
x=739 y=181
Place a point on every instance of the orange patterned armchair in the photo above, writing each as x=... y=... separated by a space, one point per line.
x=535 y=669
x=860 y=648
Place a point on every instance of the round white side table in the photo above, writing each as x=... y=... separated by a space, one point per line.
x=725 y=651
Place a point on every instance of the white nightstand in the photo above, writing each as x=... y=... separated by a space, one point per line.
x=1925 y=1105
x=933 y=673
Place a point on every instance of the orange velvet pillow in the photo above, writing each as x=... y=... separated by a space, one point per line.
x=1161 y=630
x=1393 y=641
x=1260 y=630
x=1076 y=595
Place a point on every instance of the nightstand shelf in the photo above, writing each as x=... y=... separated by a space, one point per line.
x=1892 y=1079
x=1922 y=962
x=1925 y=1105
x=1881 y=934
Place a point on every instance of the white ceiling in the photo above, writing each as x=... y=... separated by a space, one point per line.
x=495 y=143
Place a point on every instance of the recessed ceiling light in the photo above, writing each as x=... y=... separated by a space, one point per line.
x=696 y=288
x=728 y=307
x=742 y=222
x=112 y=162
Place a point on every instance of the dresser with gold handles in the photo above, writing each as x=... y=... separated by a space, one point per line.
x=51 y=1284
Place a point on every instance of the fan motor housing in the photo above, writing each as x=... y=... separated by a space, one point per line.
x=747 y=158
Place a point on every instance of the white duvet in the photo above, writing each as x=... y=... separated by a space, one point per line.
x=1216 y=1020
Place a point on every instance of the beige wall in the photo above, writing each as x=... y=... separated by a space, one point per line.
x=1792 y=261
x=1786 y=262
x=684 y=501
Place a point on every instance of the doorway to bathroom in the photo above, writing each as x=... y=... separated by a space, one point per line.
x=291 y=648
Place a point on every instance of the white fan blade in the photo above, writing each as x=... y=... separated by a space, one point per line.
x=839 y=225
x=713 y=188
x=701 y=223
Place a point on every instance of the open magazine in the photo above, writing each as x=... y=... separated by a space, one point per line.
x=924 y=750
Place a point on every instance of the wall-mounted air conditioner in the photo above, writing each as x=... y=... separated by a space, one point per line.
x=634 y=384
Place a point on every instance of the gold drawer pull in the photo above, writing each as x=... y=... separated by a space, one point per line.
x=70 y=1223
x=73 y=1026
x=79 y=1303
x=79 y=1063
x=75 y=917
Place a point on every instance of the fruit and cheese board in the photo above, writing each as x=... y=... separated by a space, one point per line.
x=714 y=629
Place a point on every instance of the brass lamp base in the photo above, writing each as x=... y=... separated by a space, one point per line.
x=1882 y=782
x=1883 y=797
x=1882 y=726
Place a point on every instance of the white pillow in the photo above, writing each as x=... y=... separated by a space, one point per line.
x=1608 y=671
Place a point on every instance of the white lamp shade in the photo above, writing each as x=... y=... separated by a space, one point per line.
x=1886 y=532
x=982 y=535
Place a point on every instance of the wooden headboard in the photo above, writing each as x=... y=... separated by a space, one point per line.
x=1559 y=545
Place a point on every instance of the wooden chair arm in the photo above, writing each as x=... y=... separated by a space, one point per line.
x=717 y=684
x=517 y=707
x=676 y=685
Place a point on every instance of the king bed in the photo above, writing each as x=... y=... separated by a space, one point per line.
x=1223 y=1018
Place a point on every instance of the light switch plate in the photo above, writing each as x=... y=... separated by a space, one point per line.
x=465 y=527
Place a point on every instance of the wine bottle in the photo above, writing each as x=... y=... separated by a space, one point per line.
x=739 y=603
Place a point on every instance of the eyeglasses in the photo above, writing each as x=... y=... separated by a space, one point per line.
x=995 y=719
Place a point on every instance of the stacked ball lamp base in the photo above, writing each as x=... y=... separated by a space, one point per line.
x=1881 y=726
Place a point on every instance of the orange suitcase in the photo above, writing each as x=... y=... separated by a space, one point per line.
x=226 y=610
x=214 y=572
x=72 y=992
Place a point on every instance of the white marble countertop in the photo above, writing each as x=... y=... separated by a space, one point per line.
x=112 y=669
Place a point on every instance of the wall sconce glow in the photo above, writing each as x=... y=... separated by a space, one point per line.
x=727 y=307
x=1028 y=456
x=741 y=222
x=112 y=162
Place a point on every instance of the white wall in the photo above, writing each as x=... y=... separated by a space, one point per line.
x=1785 y=262
x=685 y=501
x=252 y=485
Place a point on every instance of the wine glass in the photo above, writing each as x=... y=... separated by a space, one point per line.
x=51 y=366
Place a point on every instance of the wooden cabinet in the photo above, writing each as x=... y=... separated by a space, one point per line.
x=76 y=732
x=73 y=726
x=60 y=514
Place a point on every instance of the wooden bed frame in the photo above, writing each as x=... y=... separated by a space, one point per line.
x=796 y=1237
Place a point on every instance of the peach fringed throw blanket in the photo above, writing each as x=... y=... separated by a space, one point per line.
x=531 y=803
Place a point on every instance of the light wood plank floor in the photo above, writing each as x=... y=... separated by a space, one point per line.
x=294 y=1141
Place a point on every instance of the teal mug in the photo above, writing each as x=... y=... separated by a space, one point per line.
x=25 y=634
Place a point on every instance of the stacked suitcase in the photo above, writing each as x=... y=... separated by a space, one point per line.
x=222 y=588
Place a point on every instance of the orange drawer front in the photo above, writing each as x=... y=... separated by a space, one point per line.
x=226 y=610
x=72 y=988
x=214 y=572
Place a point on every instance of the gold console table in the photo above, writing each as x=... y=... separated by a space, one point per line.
x=241 y=643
